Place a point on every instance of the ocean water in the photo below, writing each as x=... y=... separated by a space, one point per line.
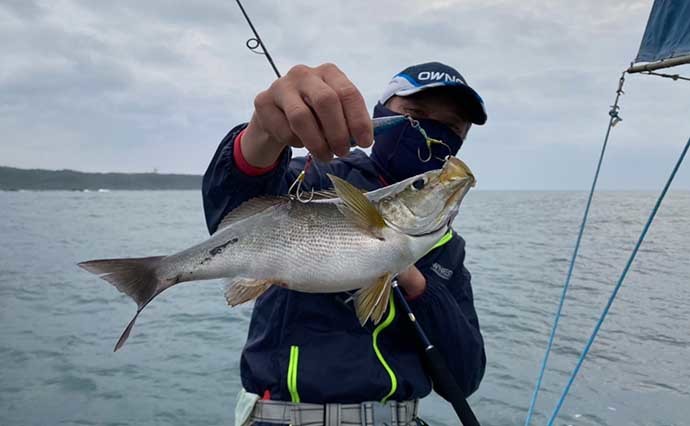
x=181 y=366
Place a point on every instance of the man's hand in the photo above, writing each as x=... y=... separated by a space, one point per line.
x=412 y=281
x=315 y=108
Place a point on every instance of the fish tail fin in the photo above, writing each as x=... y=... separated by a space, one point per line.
x=136 y=277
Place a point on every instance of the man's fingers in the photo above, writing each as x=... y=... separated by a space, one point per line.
x=352 y=102
x=273 y=120
x=318 y=108
x=325 y=104
x=302 y=122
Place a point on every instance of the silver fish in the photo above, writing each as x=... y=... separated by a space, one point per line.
x=346 y=240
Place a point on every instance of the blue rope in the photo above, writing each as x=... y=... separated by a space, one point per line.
x=614 y=119
x=561 y=400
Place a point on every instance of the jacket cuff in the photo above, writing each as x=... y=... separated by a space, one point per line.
x=242 y=164
x=231 y=180
x=416 y=296
x=434 y=294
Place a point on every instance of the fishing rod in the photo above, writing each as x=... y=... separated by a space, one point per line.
x=254 y=43
x=378 y=124
x=437 y=367
x=443 y=380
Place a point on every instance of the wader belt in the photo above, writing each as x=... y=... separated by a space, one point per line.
x=391 y=413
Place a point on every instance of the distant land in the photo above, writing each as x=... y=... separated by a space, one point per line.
x=13 y=179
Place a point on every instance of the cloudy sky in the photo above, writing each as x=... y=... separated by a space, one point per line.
x=132 y=86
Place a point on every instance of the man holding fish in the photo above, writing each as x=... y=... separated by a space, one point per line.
x=309 y=347
x=326 y=342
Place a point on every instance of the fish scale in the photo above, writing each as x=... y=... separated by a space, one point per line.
x=309 y=250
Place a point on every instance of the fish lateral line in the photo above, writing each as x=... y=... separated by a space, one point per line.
x=219 y=249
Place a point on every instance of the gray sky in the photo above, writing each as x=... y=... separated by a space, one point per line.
x=132 y=85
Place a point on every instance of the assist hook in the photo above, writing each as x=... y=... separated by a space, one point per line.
x=429 y=141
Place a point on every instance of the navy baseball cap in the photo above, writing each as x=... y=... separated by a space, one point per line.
x=435 y=74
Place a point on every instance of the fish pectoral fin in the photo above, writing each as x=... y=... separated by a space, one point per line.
x=371 y=302
x=242 y=290
x=358 y=208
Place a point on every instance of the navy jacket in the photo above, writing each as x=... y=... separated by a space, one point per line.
x=311 y=347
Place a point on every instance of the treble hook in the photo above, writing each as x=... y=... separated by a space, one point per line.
x=299 y=192
x=429 y=141
x=300 y=195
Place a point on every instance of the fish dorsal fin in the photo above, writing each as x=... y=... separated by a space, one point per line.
x=371 y=302
x=358 y=208
x=250 y=208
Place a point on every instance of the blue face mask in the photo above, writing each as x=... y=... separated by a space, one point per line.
x=402 y=151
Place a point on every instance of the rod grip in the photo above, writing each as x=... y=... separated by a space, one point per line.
x=445 y=384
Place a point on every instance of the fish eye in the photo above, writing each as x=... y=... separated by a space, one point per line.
x=419 y=184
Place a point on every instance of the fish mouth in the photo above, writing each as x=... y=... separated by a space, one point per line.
x=454 y=200
x=454 y=169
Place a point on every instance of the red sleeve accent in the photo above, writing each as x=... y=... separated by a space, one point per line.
x=243 y=165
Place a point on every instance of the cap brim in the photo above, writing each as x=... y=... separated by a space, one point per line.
x=468 y=99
